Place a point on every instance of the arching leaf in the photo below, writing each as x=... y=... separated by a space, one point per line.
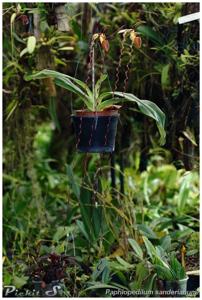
x=150 y=109
x=136 y=248
x=98 y=85
x=72 y=84
x=149 y=33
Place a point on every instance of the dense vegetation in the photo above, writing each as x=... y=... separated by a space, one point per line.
x=99 y=221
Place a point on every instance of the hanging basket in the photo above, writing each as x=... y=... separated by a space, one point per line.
x=95 y=131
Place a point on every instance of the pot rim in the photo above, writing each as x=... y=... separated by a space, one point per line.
x=102 y=113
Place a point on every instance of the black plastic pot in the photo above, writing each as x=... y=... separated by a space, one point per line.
x=193 y=283
x=176 y=289
x=95 y=132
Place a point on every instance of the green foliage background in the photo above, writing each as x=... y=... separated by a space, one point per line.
x=45 y=203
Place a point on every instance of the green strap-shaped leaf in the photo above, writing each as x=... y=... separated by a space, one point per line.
x=136 y=248
x=53 y=112
x=98 y=85
x=82 y=85
x=103 y=96
x=72 y=84
x=108 y=103
x=66 y=84
x=149 y=33
x=101 y=265
x=163 y=272
x=150 y=248
x=124 y=263
x=55 y=75
x=150 y=109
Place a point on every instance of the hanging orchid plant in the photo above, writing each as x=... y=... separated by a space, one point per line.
x=105 y=100
x=95 y=100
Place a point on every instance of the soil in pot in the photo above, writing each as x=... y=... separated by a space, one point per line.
x=96 y=131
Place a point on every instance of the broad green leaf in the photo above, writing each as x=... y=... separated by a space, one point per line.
x=106 y=275
x=20 y=281
x=136 y=248
x=140 y=274
x=76 y=28
x=167 y=174
x=61 y=232
x=31 y=44
x=150 y=248
x=177 y=268
x=160 y=252
x=163 y=272
x=82 y=85
x=73 y=182
x=165 y=242
x=161 y=261
x=44 y=25
x=149 y=282
x=60 y=248
x=99 y=268
x=67 y=82
x=165 y=78
x=61 y=78
x=98 y=85
x=115 y=266
x=7 y=278
x=124 y=263
x=147 y=231
x=150 y=109
x=53 y=112
x=82 y=229
x=103 y=96
x=45 y=250
x=107 y=103
x=86 y=208
x=149 y=33
x=184 y=192
x=179 y=234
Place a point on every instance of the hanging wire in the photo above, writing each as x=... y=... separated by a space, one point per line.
x=89 y=66
x=128 y=68
x=119 y=63
x=87 y=79
x=103 y=67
